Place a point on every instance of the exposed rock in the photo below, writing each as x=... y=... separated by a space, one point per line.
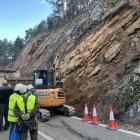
x=135 y=27
x=75 y=62
x=112 y=52
x=95 y=71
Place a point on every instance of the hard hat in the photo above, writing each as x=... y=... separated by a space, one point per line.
x=18 y=87
x=23 y=89
x=30 y=87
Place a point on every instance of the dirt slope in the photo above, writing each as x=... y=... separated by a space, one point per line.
x=98 y=53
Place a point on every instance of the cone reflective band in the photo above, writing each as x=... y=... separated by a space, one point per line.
x=86 y=110
x=111 y=117
x=86 y=116
x=94 y=115
x=94 y=112
x=112 y=123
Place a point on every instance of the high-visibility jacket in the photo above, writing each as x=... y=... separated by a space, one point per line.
x=12 y=101
x=30 y=103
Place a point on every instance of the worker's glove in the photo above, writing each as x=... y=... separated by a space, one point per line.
x=25 y=117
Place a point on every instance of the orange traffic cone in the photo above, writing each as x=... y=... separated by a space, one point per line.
x=112 y=123
x=86 y=116
x=94 y=115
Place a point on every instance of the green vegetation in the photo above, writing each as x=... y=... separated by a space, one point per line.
x=10 y=50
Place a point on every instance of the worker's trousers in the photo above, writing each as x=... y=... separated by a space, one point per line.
x=2 y=110
x=7 y=124
x=23 y=135
x=12 y=126
x=23 y=130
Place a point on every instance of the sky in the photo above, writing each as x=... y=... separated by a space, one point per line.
x=16 y=16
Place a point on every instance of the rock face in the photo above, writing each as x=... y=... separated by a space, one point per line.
x=99 y=53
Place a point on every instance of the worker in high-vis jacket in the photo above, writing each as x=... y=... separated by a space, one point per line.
x=26 y=109
x=12 y=101
x=32 y=89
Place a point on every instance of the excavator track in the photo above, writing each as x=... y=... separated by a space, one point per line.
x=43 y=115
x=69 y=110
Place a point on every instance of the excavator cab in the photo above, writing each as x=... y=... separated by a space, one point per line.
x=43 y=79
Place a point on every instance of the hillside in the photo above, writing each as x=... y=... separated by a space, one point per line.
x=100 y=53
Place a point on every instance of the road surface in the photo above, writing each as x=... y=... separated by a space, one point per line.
x=68 y=128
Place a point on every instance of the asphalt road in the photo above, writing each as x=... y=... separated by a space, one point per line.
x=67 y=128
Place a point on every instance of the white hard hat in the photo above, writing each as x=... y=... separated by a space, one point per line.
x=21 y=88
x=30 y=87
x=18 y=87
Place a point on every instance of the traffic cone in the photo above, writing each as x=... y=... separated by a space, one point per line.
x=112 y=123
x=86 y=116
x=94 y=115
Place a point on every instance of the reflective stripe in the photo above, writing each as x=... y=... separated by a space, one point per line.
x=86 y=110
x=111 y=116
x=11 y=109
x=12 y=116
x=94 y=112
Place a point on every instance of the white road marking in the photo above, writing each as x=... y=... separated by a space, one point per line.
x=76 y=118
x=45 y=136
x=121 y=130
x=103 y=125
x=129 y=132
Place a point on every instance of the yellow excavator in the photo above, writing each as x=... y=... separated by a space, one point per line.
x=50 y=92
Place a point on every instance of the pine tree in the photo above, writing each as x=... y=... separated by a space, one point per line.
x=18 y=46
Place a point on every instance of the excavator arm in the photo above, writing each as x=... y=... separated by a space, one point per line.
x=56 y=69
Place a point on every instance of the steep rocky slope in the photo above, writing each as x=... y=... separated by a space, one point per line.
x=100 y=52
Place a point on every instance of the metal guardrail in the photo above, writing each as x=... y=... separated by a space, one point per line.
x=13 y=82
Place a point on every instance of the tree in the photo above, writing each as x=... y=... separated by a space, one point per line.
x=29 y=34
x=18 y=46
x=41 y=28
x=65 y=11
x=6 y=51
x=50 y=23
